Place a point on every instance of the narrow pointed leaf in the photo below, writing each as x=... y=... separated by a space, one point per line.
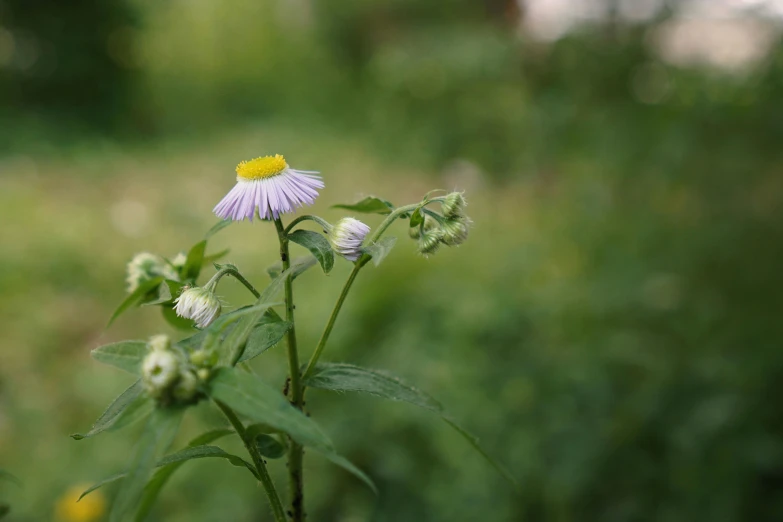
x=351 y=468
x=317 y=244
x=177 y=459
x=378 y=251
x=232 y=346
x=350 y=378
x=416 y=218
x=158 y=434
x=220 y=225
x=298 y=266
x=214 y=331
x=125 y=355
x=168 y=291
x=369 y=205
x=266 y=334
x=127 y=404
x=194 y=261
x=217 y=255
x=253 y=398
x=135 y=297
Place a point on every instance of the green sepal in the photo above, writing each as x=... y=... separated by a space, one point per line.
x=317 y=244
x=125 y=355
x=350 y=378
x=128 y=407
x=136 y=297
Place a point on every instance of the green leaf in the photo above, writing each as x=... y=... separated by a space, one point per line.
x=135 y=297
x=298 y=266
x=350 y=467
x=7 y=476
x=269 y=446
x=253 y=398
x=350 y=378
x=168 y=290
x=267 y=333
x=194 y=261
x=220 y=225
x=214 y=331
x=125 y=355
x=176 y=459
x=171 y=317
x=369 y=205
x=217 y=255
x=232 y=346
x=158 y=434
x=378 y=251
x=416 y=218
x=317 y=244
x=126 y=406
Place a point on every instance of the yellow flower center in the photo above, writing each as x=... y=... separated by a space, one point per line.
x=263 y=167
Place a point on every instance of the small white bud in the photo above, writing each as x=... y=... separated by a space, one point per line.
x=159 y=370
x=347 y=237
x=198 y=304
x=159 y=343
x=146 y=266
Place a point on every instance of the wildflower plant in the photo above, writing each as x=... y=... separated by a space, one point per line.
x=210 y=364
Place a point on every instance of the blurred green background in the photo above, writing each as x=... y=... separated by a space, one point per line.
x=611 y=330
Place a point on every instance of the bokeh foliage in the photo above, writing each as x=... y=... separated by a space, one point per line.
x=611 y=328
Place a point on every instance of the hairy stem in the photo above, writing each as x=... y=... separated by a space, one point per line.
x=295 y=450
x=232 y=271
x=321 y=222
x=258 y=461
x=329 y=325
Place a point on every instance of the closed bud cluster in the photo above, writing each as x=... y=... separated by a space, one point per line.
x=199 y=304
x=347 y=237
x=146 y=266
x=451 y=229
x=166 y=374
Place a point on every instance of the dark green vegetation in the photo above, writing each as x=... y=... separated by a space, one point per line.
x=611 y=330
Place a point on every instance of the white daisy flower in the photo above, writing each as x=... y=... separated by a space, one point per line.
x=198 y=304
x=271 y=186
x=347 y=237
x=159 y=371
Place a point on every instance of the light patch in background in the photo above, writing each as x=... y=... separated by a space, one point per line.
x=651 y=83
x=129 y=217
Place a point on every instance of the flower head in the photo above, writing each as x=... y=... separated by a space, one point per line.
x=159 y=370
x=454 y=205
x=198 y=304
x=269 y=185
x=455 y=231
x=145 y=266
x=347 y=237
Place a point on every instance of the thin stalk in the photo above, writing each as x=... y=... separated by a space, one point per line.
x=230 y=270
x=321 y=222
x=258 y=461
x=295 y=450
x=329 y=325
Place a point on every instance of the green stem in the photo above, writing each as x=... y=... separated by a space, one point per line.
x=376 y=235
x=321 y=222
x=232 y=271
x=328 y=329
x=258 y=461
x=295 y=450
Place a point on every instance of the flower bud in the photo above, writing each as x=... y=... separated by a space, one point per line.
x=204 y=358
x=159 y=343
x=159 y=371
x=203 y=374
x=347 y=237
x=429 y=224
x=198 y=304
x=430 y=241
x=453 y=205
x=455 y=231
x=186 y=387
x=146 y=266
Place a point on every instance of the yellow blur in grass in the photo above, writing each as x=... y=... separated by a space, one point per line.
x=90 y=509
x=263 y=167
